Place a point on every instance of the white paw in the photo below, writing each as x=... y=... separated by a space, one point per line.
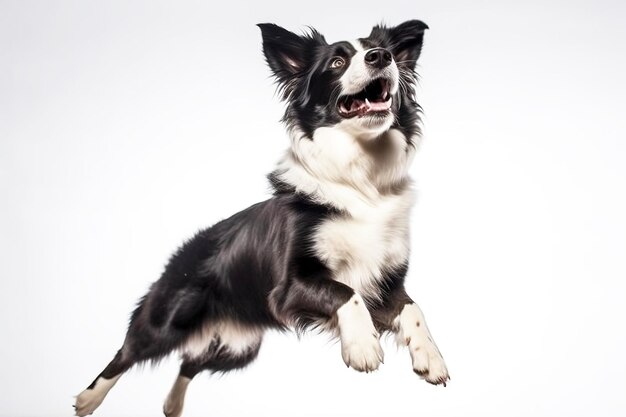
x=362 y=353
x=175 y=401
x=427 y=361
x=173 y=409
x=360 y=347
x=86 y=402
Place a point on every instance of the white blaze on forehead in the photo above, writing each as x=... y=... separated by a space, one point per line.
x=357 y=45
x=357 y=75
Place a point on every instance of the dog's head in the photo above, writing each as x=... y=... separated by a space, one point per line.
x=365 y=86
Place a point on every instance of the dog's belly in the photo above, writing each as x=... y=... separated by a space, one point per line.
x=360 y=247
x=225 y=335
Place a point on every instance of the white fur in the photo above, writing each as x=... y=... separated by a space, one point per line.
x=359 y=74
x=412 y=331
x=358 y=248
x=363 y=127
x=356 y=44
x=346 y=170
x=173 y=406
x=360 y=347
x=235 y=337
x=88 y=400
x=355 y=78
x=366 y=179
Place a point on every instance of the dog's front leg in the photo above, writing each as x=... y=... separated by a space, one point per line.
x=360 y=347
x=307 y=299
x=411 y=330
x=402 y=315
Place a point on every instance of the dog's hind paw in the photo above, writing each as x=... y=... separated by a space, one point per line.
x=91 y=398
x=86 y=402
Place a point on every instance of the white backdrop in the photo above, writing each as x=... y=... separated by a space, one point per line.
x=127 y=126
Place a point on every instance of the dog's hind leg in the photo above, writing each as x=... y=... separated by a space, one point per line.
x=146 y=339
x=140 y=345
x=175 y=400
x=217 y=348
x=88 y=400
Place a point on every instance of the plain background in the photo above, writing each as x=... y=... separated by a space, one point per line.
x=125 y=126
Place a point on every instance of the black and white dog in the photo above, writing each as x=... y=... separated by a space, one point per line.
x=330 y=249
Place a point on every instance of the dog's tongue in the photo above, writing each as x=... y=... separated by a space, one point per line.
x=378 y=105
x=366 y=106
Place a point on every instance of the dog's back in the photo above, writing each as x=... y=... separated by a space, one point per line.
x=330 y=248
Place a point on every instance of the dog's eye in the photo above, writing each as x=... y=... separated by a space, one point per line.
x=337 y=63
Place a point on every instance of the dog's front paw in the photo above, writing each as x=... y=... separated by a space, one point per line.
x=427 y=361
x=362 y=352
x=360 y=348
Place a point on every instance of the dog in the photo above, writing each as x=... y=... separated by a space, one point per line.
x=329 y=249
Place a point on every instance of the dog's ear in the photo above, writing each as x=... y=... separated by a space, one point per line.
x=286 y=53
x=406 y=41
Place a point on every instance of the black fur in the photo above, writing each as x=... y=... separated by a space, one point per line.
x=311 y=89
x=235 y=270
x=257 y=268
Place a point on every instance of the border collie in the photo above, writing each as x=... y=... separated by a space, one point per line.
x=329 y=250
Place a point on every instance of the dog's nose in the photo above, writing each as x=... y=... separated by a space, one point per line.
x=378 y=57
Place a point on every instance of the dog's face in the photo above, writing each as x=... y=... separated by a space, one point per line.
x=365 y=86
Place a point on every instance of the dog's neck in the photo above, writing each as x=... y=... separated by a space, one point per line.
x=345 y=171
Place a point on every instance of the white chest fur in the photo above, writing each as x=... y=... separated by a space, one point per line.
x=358 y=248
x=367 y=180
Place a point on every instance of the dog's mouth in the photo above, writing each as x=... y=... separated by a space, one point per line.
x=374 y=99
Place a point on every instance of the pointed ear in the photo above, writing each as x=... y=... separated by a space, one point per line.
x=284 y=51
x=406 y=41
